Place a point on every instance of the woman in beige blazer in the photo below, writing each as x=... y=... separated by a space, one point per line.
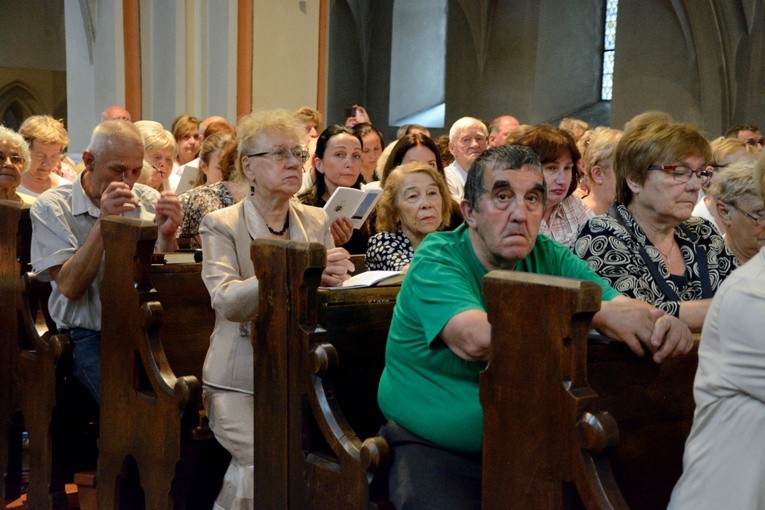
x=270 y=157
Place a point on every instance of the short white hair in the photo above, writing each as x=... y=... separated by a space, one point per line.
x=464 y=123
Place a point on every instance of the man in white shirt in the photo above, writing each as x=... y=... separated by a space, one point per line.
x=67 y=248
x=468 y=138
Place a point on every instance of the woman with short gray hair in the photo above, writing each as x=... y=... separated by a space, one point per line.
x=14 y=160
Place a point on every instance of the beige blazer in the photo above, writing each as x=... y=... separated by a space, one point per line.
x=229 y=275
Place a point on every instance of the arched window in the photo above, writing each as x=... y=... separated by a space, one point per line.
x=16 y=104
x=609 y=48
x=418 y=63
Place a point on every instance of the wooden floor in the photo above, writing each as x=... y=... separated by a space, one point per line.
x=20 y=504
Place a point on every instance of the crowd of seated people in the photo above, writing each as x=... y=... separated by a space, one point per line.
x=654 y=212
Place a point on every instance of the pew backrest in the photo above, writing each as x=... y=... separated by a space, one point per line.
x=318 y=358
x=156 y=326
x=582 y=424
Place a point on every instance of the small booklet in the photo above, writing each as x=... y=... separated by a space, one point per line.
x=353 y=203
x=373 y=279
x=186 y=179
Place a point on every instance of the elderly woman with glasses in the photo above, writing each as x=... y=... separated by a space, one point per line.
x=648 y=246
x=740 y=208
x=14 y=161
x=270 y=158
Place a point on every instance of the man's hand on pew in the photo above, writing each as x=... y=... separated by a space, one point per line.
x=640 y=325
x=168 y=218
x=338 y=266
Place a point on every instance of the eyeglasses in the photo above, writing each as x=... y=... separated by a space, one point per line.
x=41 y=157
x=281 y=154
x=682 y=173
x=757 y=217
x=15 y=158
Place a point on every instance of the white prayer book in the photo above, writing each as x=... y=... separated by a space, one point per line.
x=353 y=203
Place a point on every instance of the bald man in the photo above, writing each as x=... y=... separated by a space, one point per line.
x=500 y=128
x=116 y=112
x=210 y=120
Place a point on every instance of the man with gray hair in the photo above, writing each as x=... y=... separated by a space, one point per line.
x=467 y=140
x=440 y=337
x=67 y=248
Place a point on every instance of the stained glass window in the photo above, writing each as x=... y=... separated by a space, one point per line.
x=609 y=47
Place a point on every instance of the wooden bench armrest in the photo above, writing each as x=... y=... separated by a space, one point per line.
x=185 y=389
x=50 y=342
x=373 y=452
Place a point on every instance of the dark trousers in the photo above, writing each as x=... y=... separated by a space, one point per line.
x=86 y=359
x=425 y=476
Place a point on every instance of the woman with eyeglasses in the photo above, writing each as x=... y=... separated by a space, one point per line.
x=724 y=152
x=14 y=161
x=740 y=208
x=648 y=246
x=270 y=158
x=337 y=161
x=47 y=138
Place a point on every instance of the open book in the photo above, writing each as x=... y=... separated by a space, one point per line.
x=373 y=279
x=353 y=203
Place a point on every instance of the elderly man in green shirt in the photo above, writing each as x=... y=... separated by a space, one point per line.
x=440 y=337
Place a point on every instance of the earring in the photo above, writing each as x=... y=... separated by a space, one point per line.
x=252 y=189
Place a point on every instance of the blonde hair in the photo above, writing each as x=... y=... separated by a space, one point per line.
x=183 y=125
x=253 y=127
x=388 y=219
x=44 y=128
x=759 y=174
x=307 y=114
x=155 y=138
x=571 y=124
x=723 y=150
x=598 y=147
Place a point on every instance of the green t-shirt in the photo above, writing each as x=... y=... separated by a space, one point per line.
x=425 y=387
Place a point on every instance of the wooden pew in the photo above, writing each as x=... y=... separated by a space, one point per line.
x=38 y=391
x=15 y=233
x=612 y=438
x=316 y=447
x=156 y=323
x=583 y=425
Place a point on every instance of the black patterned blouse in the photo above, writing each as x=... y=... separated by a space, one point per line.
x=389 y=251
x=201 y=201
x=611 y=248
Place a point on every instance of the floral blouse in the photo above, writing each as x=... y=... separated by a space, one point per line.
x=389 y=251
x=612 y=249
x=199 y=202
